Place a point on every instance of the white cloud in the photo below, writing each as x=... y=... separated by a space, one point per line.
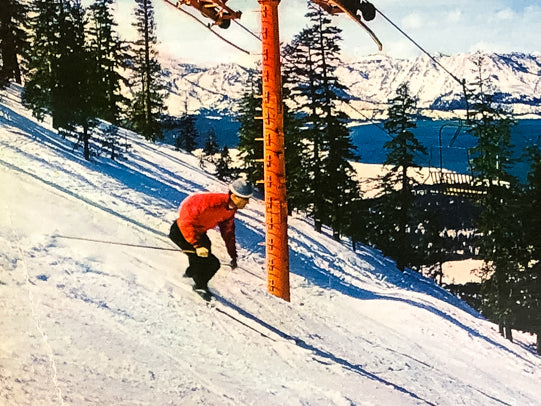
x=505 y=14
x=454 y=16
x=412 y=21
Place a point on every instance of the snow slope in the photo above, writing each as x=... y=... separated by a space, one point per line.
x=84 y=323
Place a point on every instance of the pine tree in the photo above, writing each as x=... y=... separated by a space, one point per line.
x=60 y=81
x=491 y=125
x=251 y=130
x=301 y=81
x=211 y=146
x=14 y=41
x=223 y=166
x=72 y=103
x=44 y=59
x=311 y=61
x=148 y=103
x=529 y=285
x=108 y=55
x=341 y=187
x=188 y=133
x=532 y=203
x=111 y=140
x=397 y=212
x=501 y=243
x=296 y=164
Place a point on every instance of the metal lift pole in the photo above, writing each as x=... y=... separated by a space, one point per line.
x=274 y=162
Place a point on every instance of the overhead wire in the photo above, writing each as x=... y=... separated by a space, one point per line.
x=247 y=29
x=462 y=82
x=420 y=47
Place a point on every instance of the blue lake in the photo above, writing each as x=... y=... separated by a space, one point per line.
x=455 y=142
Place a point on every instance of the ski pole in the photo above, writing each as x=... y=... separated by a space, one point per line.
x=123 y=244
x=67 y=237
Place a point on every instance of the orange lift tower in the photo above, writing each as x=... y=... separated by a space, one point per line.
x=273 y=134
x=273 y=150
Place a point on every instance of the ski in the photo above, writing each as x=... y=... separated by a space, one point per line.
x=204 y=294
x=337 y=6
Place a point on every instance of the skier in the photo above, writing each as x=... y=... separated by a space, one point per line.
x=201 y=212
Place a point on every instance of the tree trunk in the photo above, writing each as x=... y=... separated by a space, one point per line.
x=86 y=138
x=509 y=333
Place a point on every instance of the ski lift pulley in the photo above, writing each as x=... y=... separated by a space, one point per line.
x=216 y=10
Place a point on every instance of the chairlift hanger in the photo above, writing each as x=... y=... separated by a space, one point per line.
x=217 y=11
x=358 y=10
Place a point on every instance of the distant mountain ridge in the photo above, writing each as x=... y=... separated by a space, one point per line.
x=371 y=81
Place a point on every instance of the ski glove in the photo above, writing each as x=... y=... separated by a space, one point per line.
x=202 y=252
x=233 y=263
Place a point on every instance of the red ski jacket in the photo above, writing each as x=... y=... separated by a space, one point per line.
x=201 y=212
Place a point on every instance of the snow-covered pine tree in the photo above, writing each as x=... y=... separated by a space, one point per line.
x=148 y=105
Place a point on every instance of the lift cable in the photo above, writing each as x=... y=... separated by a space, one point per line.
x=247 y=30
x=462 y=82
x=420 y=47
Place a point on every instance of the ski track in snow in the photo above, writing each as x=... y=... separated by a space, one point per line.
x=84 y=323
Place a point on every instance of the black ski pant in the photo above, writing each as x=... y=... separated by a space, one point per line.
x=201 y=269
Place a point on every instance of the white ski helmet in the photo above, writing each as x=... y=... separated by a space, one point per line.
x=242 y=188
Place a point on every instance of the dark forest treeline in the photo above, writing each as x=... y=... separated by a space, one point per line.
x=75 y=66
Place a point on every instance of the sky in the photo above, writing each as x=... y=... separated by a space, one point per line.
x=437 y=25
x=85 y=323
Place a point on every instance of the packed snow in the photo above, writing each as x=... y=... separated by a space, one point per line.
x=96 y=323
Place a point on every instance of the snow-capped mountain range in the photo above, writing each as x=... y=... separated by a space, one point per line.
x=372 y=81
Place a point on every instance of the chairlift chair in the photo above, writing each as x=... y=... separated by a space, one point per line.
x=452 y=183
